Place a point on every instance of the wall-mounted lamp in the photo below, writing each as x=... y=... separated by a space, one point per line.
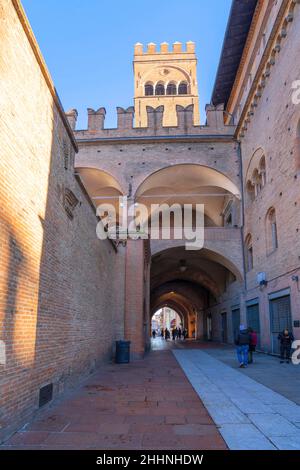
x=262 y=279
x=182 y=266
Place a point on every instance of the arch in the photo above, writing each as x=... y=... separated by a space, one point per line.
x=160 y=89
x=254 y=162
x=256 y=175
x=100 y=177
x=214 y=256
x=101 y=186
x=183 y=88
x=198 y=175
x=171 y=88
x=184 y=300
x=149 y=89
x=173 y=305
x=194 y=184
x=176 y=74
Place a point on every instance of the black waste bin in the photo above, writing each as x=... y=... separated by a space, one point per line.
x=122 y=352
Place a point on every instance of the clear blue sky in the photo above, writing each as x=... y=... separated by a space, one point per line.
x=88 y=45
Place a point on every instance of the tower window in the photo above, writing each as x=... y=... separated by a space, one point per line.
x=171 y=89
x=160 y=89
x=249 y=253
x=183 y=88
x=272 y=236
x=149 y=91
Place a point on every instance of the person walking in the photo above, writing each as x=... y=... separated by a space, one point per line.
x=167 y=334
x=179 y=333
x=153 y=334
x=242 y=341
x=286 y=339
x=174 y=334
x=252 y=344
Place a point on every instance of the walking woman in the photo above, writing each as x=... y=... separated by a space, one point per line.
x=252 y=344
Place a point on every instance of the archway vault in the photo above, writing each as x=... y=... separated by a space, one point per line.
x=189 y=183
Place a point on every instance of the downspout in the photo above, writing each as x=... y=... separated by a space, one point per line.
x=239 y=151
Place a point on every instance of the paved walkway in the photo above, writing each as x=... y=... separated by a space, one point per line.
x=250 y=415
x=267 y=370
x=147 y=404
x=207 y=403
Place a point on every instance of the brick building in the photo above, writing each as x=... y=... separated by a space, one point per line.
x=65 y=295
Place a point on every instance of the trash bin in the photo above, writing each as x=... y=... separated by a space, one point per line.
x=122 y=352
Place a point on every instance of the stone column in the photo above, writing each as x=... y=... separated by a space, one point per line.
x=199 y=325
x=134 y=297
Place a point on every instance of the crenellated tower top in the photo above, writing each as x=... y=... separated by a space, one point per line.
x=165 y=76
x=164 y=48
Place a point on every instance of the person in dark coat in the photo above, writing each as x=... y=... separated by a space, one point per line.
x=153 y=334
x=174 y=334
x=179 y=333
x=252 y=344
x=242 y=341
x=286 y=339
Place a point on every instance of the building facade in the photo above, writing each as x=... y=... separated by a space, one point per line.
x=65 y=295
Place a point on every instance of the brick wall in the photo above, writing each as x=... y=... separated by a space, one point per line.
x=61 y=295
x=273 y=132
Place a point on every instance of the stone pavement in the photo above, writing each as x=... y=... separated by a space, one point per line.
x=156 y=404
x=147 y=404
x=282 y=378
x=249 y=415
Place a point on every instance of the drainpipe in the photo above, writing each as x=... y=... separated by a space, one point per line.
x=239 y=151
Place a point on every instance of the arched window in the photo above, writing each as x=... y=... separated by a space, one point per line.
x=160 y=89
x=171 y=89
x=262 y=171
x=249 y=253
x=256 y=179
x=149 y=91
x=256 y=174
x=183 y=88
x=271 y=231
x=250 y=190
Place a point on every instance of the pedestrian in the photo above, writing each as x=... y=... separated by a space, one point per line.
x=242 y=341
x=252 y=344
x=179 y=333
x=174 y=334
x=286 y=339
x=185 y=333
x=153 y=334
x=162 y=333
x=167 y=334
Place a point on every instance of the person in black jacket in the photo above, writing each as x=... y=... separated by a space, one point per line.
x=286 y=339
x=242 y=341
